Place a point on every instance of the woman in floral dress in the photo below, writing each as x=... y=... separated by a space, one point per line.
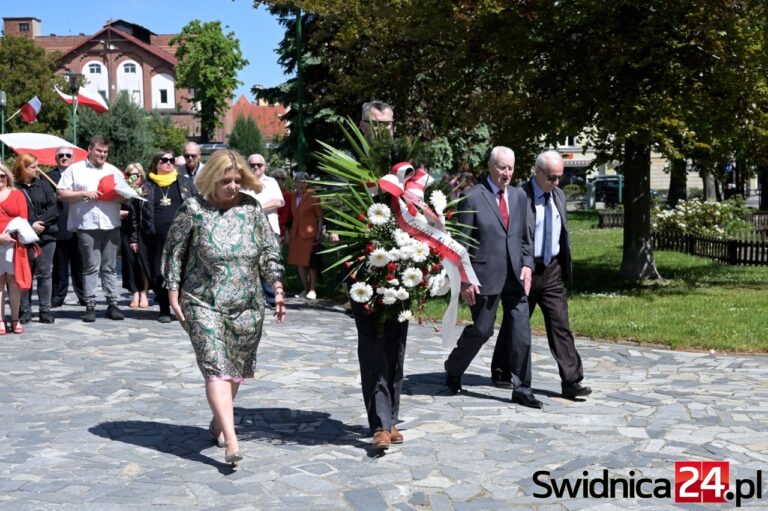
x=217 y=251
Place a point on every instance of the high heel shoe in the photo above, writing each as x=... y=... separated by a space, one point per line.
x=217 y=439
x=17 y=327
x=233 y=459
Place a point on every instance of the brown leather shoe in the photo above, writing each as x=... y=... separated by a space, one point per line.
x=381 y=440
x=395 y=436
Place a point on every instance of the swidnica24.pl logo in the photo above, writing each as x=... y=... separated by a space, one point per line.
x=702 y=482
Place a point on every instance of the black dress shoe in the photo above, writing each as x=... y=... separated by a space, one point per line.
x=575 y=390
x=453 y=383
x=528 y=400
x=45 y=317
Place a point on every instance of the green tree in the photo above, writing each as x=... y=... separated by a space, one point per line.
x=208 y=63
x=246 y=136
x=125 y=125
x=165 y=135
x=27 y=71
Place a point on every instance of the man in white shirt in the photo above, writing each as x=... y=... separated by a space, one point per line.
x=96 y=219
x=271 y=199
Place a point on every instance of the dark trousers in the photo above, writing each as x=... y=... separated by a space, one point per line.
x=515 y=327
x=41 y=269
x=161 y=297
x=66 y=263
x=269 y=293
x=381 y=353
x=549 y=293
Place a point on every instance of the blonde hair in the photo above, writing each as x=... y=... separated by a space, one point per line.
x=220 y=163
x=21 y=163
x=9 y=179
x=135 y=166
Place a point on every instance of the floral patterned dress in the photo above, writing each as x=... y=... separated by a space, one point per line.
x=216 y=259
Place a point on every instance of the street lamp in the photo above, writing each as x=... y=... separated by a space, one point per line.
x=3 y=101
x=74 y=88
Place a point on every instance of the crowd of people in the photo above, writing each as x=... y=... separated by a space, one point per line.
x=210 y=239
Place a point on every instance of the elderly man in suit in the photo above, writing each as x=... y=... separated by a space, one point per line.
x=496 y=217
x=552 y=251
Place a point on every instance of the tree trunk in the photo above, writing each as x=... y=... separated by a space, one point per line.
x=762 y=177
x=678 y=182
x=637 y=262
x=710 y=188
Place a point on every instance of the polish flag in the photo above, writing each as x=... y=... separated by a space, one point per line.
x=87 y=98
x=30 y=110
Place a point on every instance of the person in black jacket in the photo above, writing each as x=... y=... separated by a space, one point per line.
x=66 y=257
x=134 y=257
x=165 y=190
x=43 y=215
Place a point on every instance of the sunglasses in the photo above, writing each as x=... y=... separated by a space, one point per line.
x=133 y=174
x=64 y=155
x=552 y=179
x=191 y=156
x=256 y=165
x=167 y=160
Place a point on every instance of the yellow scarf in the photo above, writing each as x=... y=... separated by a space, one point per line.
x=164 y=180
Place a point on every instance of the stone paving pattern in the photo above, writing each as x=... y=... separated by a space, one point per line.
x=112 y=415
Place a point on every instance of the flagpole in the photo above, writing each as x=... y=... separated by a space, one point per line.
x=2 y=124
x=14 y=115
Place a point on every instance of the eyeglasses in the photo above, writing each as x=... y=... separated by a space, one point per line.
x=551 y=178
x=167 y=160
x=64 y=155
x=191 y=156
x=256 y=165
x=132 y=174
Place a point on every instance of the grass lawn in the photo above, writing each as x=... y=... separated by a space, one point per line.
x=702 y=304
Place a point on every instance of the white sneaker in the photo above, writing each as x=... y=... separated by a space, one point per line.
x=311 y=295
x=303 y=294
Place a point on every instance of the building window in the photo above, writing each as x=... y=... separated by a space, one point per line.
x=130 y=68
x=94 y=69
x=23 y=27
x=164 y=96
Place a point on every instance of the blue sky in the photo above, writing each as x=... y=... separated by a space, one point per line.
x=258 y=32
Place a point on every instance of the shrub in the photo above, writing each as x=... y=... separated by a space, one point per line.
x=702 y=218
x=573 y=190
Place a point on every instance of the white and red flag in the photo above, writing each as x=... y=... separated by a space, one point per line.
x=92 y=100
x=30 y=110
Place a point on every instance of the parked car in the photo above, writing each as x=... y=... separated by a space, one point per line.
x=609 y=189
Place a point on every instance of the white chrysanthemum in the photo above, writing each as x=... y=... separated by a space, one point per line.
x=438 y=200
x=379 y=214
x=393 y=282
x=420 y=252
x=406 y=252
x=389 y=296
x=380 y=290
x=439 y=284
x=402 y=238
x=395 y=254
x=411 y=277
x=360 y=292
x=379 y=258
x=402 y=294
x=405 y=316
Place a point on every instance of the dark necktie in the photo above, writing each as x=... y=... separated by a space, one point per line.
x=547 y=241
x=503 y=209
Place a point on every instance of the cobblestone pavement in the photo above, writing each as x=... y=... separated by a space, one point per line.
x=112 y=415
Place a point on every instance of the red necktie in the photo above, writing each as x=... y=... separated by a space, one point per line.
x=503 y=209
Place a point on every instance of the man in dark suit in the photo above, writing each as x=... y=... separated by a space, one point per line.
x=496 y=217
x=552 y=250
x=380 y=343
x=66 y=257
